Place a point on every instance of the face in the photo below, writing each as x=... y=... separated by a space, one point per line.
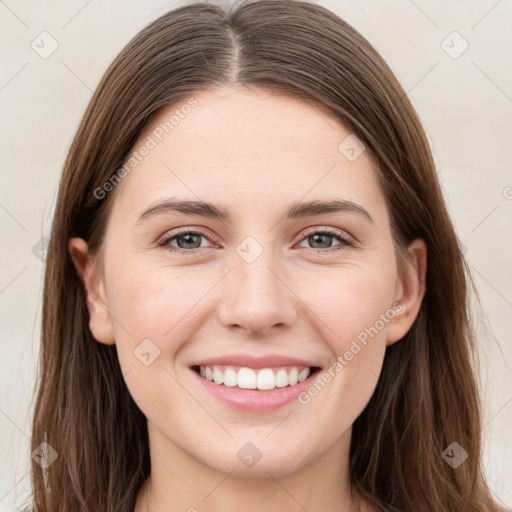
x=259 y=291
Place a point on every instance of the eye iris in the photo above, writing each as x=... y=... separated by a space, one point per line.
x=322 y=236
x=188 y=238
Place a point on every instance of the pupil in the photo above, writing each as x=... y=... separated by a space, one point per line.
x=315 y=237
x=187 y=241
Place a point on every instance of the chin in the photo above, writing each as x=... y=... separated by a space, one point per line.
x=250 y=461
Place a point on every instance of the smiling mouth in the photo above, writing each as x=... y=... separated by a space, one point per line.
x=263 y=379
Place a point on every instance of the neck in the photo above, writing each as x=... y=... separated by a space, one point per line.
x=180 y=482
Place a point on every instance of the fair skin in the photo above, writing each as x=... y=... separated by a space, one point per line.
x=255 y=153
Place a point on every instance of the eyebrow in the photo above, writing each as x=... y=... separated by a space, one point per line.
x=210 y=210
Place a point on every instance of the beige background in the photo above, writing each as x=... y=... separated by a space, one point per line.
x=464 y=101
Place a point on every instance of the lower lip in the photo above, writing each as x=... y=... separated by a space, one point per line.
x=254 y=400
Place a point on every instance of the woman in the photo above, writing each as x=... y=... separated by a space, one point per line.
x=256 y=369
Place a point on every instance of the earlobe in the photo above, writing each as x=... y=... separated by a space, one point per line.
x=100 y=321
x=411 y=290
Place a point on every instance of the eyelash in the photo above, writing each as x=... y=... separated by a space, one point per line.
x=324 y=231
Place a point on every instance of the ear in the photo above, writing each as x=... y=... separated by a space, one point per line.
x=410 y=290
x=100 y=321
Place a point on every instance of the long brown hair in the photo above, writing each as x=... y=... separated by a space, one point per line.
x=427 y=395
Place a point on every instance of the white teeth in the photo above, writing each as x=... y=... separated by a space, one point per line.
x=281 y=378
x=266 y=379
x=304 y=374
x=218 y=376
x=230 y=378
x=246 y=378
x=293 y=377
x=263 y=379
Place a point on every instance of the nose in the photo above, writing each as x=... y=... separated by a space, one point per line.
x=257 y=297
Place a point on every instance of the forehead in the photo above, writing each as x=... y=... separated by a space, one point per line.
x=243 y=145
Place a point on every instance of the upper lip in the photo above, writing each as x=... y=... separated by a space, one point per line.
x=249 y=361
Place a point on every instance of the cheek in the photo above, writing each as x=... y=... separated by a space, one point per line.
x=347 y=301
x=154 y=302
x=154 y=315
x=156 y=310
x=355 y=309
